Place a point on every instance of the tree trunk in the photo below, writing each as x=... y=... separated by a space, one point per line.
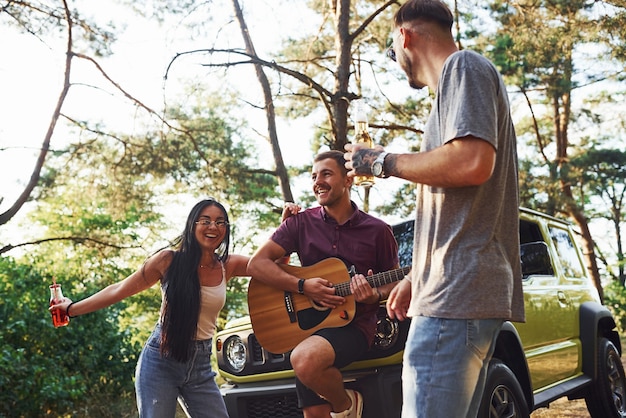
x=588 y=247
x=281 y=170
x=620 y=250
x=562 y=111
x=343 y=60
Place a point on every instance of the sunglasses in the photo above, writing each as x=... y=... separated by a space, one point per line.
x=391 y=53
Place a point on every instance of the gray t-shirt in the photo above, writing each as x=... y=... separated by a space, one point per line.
x=466 y=261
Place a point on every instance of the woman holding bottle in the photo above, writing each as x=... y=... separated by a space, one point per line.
x=175 y=361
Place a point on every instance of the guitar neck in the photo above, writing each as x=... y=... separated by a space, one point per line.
x=375 y=280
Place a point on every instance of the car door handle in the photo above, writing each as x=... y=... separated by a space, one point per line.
x=562 y=297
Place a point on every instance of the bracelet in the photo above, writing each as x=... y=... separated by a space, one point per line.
x=301 y=286
x=67 y=311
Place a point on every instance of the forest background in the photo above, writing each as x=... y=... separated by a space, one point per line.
x=116 y=119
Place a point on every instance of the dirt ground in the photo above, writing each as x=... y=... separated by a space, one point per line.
x=562 y=408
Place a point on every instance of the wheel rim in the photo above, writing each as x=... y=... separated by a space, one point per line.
x=502 y=403
x=616 y=383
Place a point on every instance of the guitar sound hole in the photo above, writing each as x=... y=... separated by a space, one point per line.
x=318 y=306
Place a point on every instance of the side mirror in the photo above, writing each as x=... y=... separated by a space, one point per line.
x=535 y=258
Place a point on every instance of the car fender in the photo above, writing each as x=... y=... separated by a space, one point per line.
x=595 y=320
x=509 y=349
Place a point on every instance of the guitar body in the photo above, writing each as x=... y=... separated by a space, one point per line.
x=281 y=320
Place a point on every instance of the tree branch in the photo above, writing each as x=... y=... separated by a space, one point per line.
x=371 y=17
x=255 y=60
x=10 y=247
x=45 y=146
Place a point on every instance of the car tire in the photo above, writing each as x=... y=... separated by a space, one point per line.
x=503 y=396
x=606 y=397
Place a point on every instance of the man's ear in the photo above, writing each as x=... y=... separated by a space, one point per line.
x=407 y=35
x=349 y=181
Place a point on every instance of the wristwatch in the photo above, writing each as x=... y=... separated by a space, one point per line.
x=378 y=167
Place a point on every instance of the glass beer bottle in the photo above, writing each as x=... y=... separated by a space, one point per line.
x=59 y=317
x=362 y=136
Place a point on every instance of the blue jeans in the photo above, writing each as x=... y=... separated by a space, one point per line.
x=160 y=381
x=445 y=366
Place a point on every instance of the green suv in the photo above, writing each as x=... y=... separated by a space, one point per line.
x=568 y=346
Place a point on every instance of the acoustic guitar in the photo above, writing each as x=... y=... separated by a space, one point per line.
x=282 y=319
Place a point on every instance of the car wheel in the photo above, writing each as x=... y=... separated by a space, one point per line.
x=503 y=396
x=607 y=395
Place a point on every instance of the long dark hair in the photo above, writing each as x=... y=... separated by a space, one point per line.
x=181 y=305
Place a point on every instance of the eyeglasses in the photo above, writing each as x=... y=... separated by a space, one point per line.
x=208 y=222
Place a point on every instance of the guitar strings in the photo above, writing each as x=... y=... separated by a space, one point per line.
x=378 y=279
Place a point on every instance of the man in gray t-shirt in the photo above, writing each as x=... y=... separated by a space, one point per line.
x=466 y=275
x=466 y=249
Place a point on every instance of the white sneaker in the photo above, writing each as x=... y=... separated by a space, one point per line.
x=356 y=409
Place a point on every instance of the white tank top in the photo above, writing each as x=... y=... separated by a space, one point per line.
x=212 y=300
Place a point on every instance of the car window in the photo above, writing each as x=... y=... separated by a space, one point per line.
x=529 y=232
x=567 y=253
x=404 y=235
x=535 y=258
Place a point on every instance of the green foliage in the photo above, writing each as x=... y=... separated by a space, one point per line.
x=101 y=225
x=46 y=20
x=615 y=300
x=115 y=203
x=601 y=173
x=401 y=204
x=604 y=169
x=84 y=369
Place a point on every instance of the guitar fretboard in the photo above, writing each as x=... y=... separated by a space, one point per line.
x=375 y=280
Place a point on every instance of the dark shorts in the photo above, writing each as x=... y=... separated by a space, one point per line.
x=349 y=344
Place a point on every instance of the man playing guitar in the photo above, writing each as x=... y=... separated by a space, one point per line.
x=336 y=228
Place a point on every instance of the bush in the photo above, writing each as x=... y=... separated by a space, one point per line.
x=615 y=300
x=84 y=369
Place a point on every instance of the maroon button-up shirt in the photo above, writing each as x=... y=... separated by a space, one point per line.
x=362 y=241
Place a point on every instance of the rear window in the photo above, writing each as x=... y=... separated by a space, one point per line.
x=567 y=252
x=404 y=235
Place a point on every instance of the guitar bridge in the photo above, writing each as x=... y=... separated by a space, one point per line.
x=289 y=307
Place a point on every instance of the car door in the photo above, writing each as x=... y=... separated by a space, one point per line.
x=550 y=333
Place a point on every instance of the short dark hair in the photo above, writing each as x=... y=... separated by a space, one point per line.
x=426 y=10
x=335 y=155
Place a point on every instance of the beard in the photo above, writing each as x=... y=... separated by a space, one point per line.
x=328 y=200
x=407 y=66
